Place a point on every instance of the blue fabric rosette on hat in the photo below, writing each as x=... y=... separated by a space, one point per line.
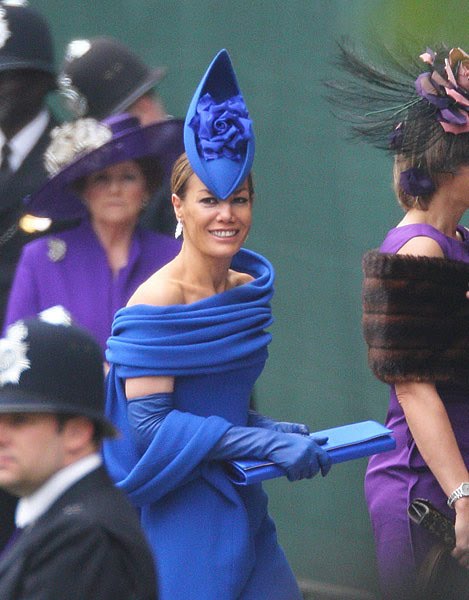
x=218 y=133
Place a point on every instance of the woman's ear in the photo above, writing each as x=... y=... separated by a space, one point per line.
x=176 y=202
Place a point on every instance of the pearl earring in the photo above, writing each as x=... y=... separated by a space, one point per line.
x=179 y=228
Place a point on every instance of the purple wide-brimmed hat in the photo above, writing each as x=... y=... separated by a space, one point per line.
x=218 y=133
x=85 y=146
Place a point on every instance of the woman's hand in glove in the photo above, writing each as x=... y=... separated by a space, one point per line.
x=257 y=420
x=300 y=456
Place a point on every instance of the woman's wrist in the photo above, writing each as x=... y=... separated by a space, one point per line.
x=459 y=494
x=461 y=505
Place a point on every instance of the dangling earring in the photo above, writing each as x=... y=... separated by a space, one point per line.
x=145 y=202
x=178 y=231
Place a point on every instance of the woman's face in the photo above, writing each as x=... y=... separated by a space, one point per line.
x=461 y=183
x=216 y=227
x=116 y=194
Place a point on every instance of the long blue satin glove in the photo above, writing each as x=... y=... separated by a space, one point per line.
x=146 y=414
x=257 y=420
x=300 y=456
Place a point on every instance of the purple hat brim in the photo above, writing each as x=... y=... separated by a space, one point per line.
x=56 y=199
x=222 y=176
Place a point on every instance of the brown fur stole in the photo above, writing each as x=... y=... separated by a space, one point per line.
x=416 y=318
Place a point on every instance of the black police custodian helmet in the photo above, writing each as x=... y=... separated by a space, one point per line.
x=52 y=367
x=101 y=77
x=25 y=39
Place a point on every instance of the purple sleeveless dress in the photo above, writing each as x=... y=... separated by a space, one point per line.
x=395 y=478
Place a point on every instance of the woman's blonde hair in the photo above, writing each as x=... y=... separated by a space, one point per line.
x=182 y=171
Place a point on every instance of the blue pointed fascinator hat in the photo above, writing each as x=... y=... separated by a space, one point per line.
x=218 y=133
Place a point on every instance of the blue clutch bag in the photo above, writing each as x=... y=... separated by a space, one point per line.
x=344 y=443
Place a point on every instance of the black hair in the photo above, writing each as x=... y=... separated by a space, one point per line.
x=151 y=170
x=98 y=433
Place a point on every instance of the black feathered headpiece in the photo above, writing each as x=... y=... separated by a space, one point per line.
x=407 y=107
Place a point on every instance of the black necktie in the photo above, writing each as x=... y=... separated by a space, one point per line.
x=5 y=166
x=11 y=542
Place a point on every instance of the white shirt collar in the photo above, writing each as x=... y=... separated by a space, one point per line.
x=24 y=141
x=30 y=508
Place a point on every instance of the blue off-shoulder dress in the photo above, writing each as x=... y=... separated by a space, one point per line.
x=212 y=540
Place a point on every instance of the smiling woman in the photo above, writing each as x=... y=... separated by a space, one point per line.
x=184 y=356
x=199 y=210
x=214 y=231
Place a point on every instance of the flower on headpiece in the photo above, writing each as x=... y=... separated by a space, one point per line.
x=416 y=182
x=428 y=56
x=457 y=67
x=447 y=89
x=71 y=140
x=5 y=33
x=221 y=129
x=13 y=359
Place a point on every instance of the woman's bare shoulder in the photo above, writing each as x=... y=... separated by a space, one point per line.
x=161 y=289
x=236 y=278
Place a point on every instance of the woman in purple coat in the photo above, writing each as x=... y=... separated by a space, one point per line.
x=415 y=309
x=104 y=172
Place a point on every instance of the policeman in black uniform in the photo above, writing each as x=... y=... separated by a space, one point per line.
x=27 y=75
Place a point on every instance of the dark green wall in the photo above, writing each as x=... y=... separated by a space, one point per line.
x=321 y=202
